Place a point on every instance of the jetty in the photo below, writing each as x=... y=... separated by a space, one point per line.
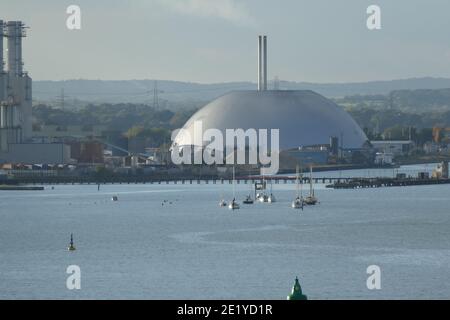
x=359 y=183
x=20 y=188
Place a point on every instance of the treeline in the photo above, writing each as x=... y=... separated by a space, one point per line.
x=142 y=121
x=379 y=120
x=117 y=117
x=410 y=101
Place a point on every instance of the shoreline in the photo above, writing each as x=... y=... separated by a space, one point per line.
x=28 y=183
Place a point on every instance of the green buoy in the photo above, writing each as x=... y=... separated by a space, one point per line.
x=297 y=293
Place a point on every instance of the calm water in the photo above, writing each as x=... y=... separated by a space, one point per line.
x=192 y=249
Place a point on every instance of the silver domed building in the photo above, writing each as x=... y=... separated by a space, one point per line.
x=304 y=118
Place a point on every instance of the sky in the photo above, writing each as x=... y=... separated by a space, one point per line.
x=211 y=41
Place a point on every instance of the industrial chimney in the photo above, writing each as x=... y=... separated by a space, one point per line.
x=260 y=75
x=15 y=89
x=14 y=33
x=265 y=63
x=262 y=63
x=2 y=70
x=1 y=46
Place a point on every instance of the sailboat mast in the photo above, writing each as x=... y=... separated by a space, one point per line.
x=234 y=180
x=301 y=183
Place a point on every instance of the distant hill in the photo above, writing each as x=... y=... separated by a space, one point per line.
x=141 y=91
x=421 y=100
x=411 y=101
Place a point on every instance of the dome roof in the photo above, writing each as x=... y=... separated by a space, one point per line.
x=304 y=118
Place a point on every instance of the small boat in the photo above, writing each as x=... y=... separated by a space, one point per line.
x=233 y=204
x=311 y=200
x=271 y=198
x=71 y=245
x=248 y=200
x=114 y=198
x=298 y=202
x=262 y=197
x=222 y=203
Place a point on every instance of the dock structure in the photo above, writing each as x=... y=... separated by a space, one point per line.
x=330 y=182
x=52 y=180
x=360 y=183
x=20 y=188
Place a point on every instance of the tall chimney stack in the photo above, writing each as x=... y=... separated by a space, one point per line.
x=2 y=76
x=14 y=33
x=265 y=63
x=260 y=61
x=1 y=47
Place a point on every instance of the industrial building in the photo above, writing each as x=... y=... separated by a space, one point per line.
x=16 y=106
x=396 y=147
x=304 y=118
x=15 y=88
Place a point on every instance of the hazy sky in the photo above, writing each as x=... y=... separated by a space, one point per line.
x=215 y=40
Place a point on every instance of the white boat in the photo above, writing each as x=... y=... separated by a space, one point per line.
x=271 y=198
x=222 y=203
x=233 y=204
x=298 y=202
x=311 y=199
x=262 y=197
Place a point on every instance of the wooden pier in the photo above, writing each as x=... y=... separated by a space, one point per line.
x=357 y=183
x=166 y=180
x=331 y=182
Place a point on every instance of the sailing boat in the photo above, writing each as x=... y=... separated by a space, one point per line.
x=262 y=197
x=248 y=199
x=233 y=204
x=222 y=202
x=271 y=198
x=311 y=199
x=298 y=202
